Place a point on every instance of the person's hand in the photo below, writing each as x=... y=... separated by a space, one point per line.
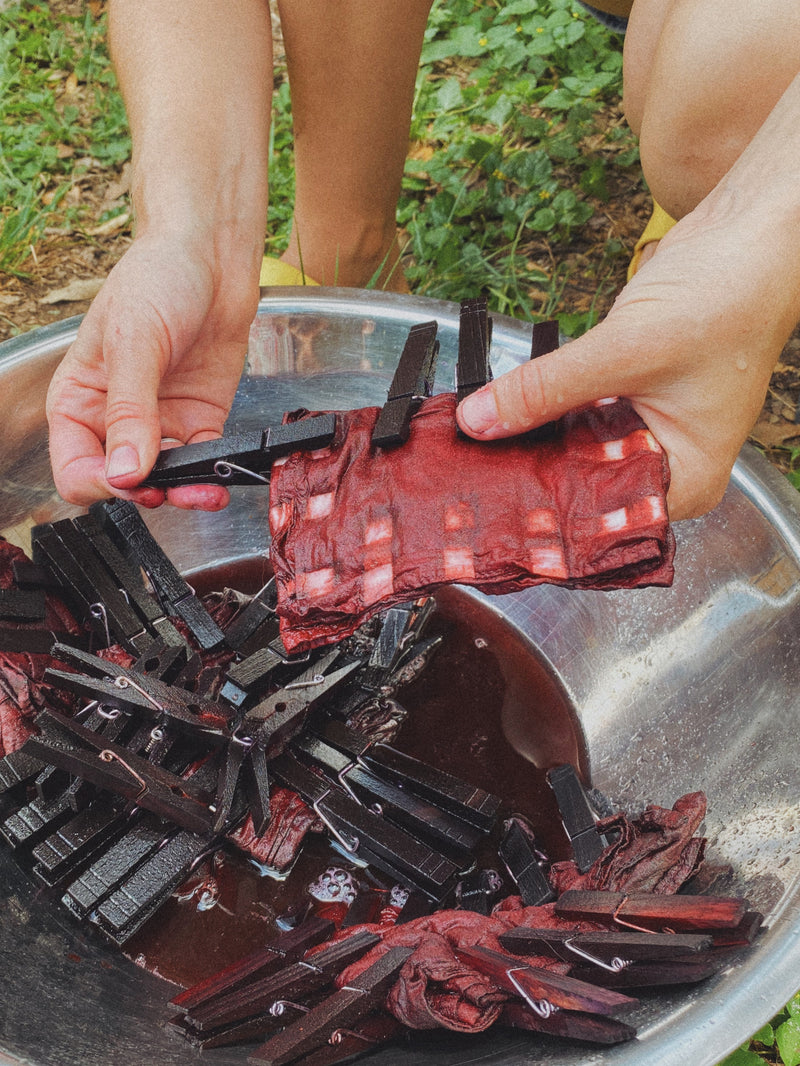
x=691 y=341
x=157 y=357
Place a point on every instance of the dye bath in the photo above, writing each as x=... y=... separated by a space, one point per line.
x=482 y=674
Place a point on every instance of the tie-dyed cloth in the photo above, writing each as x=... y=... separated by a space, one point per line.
x=356 y=528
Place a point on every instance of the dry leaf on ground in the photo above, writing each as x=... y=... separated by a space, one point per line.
x=78 y=289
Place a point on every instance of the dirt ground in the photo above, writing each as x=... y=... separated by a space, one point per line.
x=67 y=268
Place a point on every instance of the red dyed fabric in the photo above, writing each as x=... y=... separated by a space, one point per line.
x=290 y=820
x=656 y=851
x=356 y=528
x=23 y=692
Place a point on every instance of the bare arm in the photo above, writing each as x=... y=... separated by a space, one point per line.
x=160 y=351
x=693 y=338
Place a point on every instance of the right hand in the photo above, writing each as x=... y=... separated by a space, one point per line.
x=158 y=355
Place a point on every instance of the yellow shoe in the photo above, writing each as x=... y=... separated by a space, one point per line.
x=659 y=225
x=276 y=272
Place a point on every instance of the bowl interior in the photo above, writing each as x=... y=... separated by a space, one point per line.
x=669 y=690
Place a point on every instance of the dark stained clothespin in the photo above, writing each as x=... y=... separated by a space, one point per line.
x=88 y=585
x=544 y=339
x=543 y=988
x=687 y=970
x=140 y=895
x=614 y=949
x=259 y=610
x=245 y=679
x=339 y=1011
x=127 y=576
x=65 y=743
x=27 y=575
x=162 y=661
x=35 y=641
x=60 y=855
x=35 y=820
x=239 y=458
x=145 y=834
x=398 y=643
x=124 y=524
x=367 y=836
x=473 y=369
x=22 y=605
x=286 y=948
x=473 y=805
x=246 y=1012
x=575 y=1025
x=522 y=859
x=577 y=815
x=649 y=910
x=144 y=694
x=423 y=819
x=264 y=731
x=18 y=768
x=478 y=891
x=358 y=1038
x=412 y=382
x=280 y=715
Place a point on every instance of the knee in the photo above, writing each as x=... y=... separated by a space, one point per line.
x=717 y=69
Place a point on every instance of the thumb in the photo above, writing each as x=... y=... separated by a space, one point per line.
x=544 y=389
x=133 y=426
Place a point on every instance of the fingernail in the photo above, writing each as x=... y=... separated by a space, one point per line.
x=479 y=411
x=123 y=460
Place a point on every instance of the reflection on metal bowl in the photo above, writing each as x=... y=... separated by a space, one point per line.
x=697 y=686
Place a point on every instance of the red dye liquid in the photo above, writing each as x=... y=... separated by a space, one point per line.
x=483 y=675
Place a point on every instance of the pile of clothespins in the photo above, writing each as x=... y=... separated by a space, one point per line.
x=143 y=759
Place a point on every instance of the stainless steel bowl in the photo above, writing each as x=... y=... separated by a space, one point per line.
x=697 y=686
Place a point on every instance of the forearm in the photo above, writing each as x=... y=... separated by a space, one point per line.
x=196 y=76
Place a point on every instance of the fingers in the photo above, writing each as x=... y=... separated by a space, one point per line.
x=135 y=357
x=544 y=389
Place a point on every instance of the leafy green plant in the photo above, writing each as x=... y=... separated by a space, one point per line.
x=793 y=473
x=507 y=96
x=777 y=1042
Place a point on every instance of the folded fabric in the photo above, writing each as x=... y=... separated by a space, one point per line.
x=656 y=852
x=357 y=528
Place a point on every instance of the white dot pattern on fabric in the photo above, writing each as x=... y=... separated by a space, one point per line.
x=651 y=507
x=279 y=516
x=378 y=582
x=458 y=516
x=613 y=449
x=641 y=440
x=613 y=521
x=459 y=564
x=320 y=506
x=542 y=520
x=380 y=529
x=316 y=583
x=549 y=562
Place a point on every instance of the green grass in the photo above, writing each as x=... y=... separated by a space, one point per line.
x=59 y=114
x=507 y=99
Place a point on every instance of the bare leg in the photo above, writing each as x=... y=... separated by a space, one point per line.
x=352 y=69
x=701 y=76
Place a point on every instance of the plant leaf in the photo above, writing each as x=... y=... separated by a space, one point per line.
x=787 y=1038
